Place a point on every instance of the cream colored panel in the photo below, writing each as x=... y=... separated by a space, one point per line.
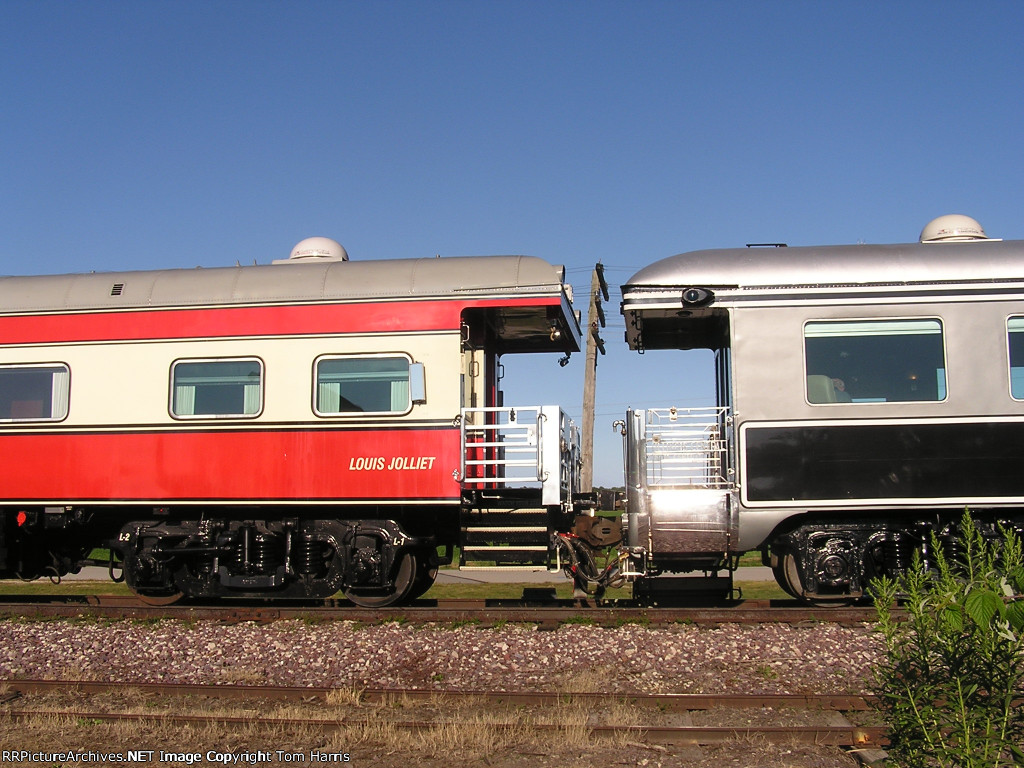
x=128 y=383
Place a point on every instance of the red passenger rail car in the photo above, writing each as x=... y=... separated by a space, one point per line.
x=287 y=430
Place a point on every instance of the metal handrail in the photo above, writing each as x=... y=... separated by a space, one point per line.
x=687 y=447
x=542 y=474
x=544 y=445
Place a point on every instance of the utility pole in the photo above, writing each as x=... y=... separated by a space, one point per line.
x=595 y=315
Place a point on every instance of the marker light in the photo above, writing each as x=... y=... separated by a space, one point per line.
x=697 y=297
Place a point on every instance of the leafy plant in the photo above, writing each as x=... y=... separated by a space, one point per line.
x=954 y=669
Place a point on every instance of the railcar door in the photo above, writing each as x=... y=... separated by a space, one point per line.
x=479 y=390
x=680 y=461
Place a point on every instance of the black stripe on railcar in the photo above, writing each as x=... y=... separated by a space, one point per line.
x=958 y=461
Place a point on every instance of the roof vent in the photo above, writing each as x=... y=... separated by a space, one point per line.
x=952 y=228
x=314 y=250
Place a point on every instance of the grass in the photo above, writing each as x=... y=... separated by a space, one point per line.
x=760 y=590
x=44 y=587
x=467 y=590
x=462 y=731
x=752 y=558
x=752 y=590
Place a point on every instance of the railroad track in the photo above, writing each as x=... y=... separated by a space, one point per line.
x=547 y=615
x=666 y=716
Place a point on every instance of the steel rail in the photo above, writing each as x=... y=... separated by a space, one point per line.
x=484 y=612
x=821 y=735
x=669 y=702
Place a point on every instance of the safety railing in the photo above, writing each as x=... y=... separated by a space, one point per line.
x=686 y=447
x=521 y=447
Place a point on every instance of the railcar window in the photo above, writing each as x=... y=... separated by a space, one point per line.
x=347 y=385
x=34 y=392
x=875 y=361
x=1015 y=329
x=216 y=388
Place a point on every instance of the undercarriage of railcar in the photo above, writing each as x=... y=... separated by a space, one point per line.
x=165 y=553
x=833 y=559
x=254 y=553
x=373 y=561
x=383 y=561
x=45 y=542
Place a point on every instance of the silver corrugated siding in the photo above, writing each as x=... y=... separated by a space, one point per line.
x=837 y=265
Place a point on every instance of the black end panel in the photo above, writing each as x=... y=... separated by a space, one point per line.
x=884 y=461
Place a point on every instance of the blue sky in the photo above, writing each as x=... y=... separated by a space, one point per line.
x=143 y=135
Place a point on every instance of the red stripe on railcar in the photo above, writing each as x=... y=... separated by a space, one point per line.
x=286 y=466
x=222 y=322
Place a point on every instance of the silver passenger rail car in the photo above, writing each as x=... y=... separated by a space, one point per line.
x=866 y=395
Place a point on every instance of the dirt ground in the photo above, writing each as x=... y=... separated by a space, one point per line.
x=462 y=736
x=283 y=749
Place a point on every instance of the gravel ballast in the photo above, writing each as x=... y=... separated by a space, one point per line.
x=731 y=658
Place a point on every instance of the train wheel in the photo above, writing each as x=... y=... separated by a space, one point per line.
x=405 y=581
x=788 y=575
x=425 y=576
x=160 y=598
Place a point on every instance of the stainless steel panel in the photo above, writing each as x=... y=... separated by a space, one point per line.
x=689 y=520
x=833 y=265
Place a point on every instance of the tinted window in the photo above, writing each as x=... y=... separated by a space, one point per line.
x=1016 y=338
x=362 y=385
x=34 y=392
x=875 y=361
x=231 y=388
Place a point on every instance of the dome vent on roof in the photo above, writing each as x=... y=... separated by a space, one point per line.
x=952 y=228
x=314 y=250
